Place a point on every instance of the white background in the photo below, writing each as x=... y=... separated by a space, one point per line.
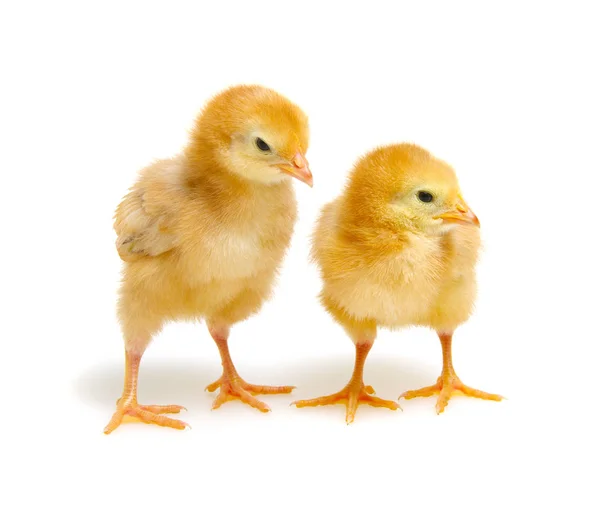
x=508 y=95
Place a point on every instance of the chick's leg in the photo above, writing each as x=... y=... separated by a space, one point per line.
x=127 y=405
x=448 y=383
x=230 y=384
x=355 y=392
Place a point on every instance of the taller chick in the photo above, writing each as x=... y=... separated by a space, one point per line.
x=398 y=248
x=203 y=234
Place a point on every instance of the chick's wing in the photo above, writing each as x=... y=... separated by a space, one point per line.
x=144 y=223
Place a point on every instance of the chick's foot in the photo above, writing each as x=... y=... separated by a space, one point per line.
x=128 y=406
x=447 y=386
x=234 y=387
x=352 y=395
x=230 y=385
x=151 y=414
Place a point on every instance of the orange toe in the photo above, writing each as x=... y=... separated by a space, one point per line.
x=237 y=388
x=352 y=396
x=447 y=387
x=150 y=414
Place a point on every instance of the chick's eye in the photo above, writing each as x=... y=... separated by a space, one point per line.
x=262 y=145
x=425 y=196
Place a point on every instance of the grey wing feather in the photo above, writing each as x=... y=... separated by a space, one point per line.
x=142 y=229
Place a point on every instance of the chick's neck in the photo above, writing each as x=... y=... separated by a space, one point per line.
x=205 y=169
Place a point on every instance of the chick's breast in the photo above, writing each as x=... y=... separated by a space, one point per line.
x=216 y=253
x=230 y=263
x=409 y=285
x=458 y=286
x=234 y=246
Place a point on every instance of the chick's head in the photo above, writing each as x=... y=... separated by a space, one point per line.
x=404 y=187
x=255 y=133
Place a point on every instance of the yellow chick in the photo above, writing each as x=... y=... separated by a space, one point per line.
x=203 y=234
x=398 y=248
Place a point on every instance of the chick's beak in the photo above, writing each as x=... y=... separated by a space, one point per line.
x=461 y=214
x=298 y=168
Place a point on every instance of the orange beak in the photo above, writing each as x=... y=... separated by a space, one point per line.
x=460 y=214
x=298 y=168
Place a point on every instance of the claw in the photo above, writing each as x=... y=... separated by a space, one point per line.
x=237 y=388
x=352 y=395
x=446 y=387
x=151 y=414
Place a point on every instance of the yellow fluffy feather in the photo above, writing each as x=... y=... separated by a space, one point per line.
x=391 y=257
x=203 y=234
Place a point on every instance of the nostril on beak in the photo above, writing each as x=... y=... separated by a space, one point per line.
x=299 y=161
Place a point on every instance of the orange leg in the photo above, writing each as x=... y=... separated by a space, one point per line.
x=355 y=392
x=127 y=405
x=448 y=383
x=230 y=385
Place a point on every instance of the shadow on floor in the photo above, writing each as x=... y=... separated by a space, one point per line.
x=183 y=381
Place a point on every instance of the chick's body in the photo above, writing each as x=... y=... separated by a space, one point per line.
x=416 y=281
x=223 y=253
x=389 y=259
x=203 y=234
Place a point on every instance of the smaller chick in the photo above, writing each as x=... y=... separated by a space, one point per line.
x=398 y=248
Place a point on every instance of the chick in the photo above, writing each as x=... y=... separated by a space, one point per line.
x=398 y=248
x=204 y=234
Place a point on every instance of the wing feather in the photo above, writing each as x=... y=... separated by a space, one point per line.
x=145 y=218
